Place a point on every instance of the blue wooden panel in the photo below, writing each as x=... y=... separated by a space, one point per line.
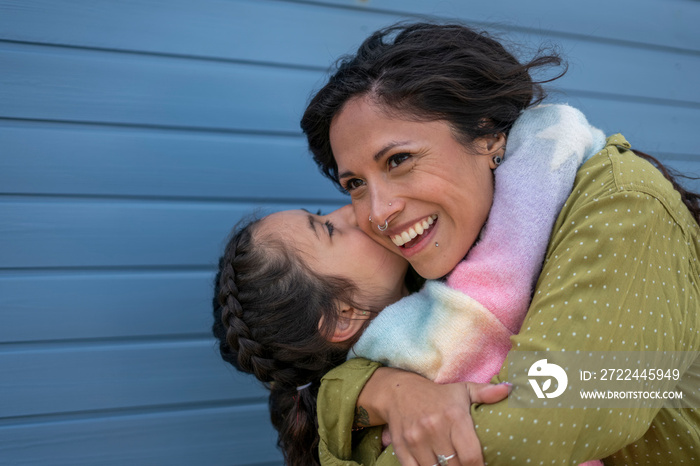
x=249 y=30
x=44 y=158
x=90 y=86
x=57 y=378
x=76 y=159
x=313 y=35
x=656 y=129
x=217 y=436
x=616 y=70
x=77 y=85
x=92 y=233
x=664 y=23
x=99 y=304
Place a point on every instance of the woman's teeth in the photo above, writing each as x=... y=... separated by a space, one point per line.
x=418 y=229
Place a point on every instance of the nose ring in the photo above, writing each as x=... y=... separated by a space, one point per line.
x=383 y=228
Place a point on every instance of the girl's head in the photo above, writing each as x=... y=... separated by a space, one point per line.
x=410 y=124
x=293 y=291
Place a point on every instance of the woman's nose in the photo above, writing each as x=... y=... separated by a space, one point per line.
x=383 y=208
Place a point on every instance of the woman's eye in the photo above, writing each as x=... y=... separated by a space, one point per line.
x=330 y=227
x=397 y=159
x=352 y=184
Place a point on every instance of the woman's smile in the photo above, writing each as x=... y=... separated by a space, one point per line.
x=414 y=234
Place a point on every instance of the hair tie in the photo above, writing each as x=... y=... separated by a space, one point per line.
x=301 y=387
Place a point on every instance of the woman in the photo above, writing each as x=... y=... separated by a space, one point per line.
x=401 y=125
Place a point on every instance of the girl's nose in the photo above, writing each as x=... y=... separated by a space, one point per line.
x=344 y=216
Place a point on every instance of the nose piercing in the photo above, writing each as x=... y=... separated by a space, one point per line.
x=383 y=228
x=370 y=219
x=390 y=204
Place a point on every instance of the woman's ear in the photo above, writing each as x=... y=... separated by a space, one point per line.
x=350 y=321
x=492 y=146
x=491 y=143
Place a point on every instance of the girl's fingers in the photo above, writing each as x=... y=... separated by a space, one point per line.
x=467 y=446
x=488 y=393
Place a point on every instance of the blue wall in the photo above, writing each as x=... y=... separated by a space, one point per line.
x=133 y=135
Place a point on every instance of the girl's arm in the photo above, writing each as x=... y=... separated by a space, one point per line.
x=420 y=412
x=426 y=418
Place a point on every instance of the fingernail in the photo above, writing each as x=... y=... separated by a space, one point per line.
x=509 y=385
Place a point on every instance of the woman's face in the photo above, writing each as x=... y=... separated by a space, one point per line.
x=333 y=245
x=431 y=189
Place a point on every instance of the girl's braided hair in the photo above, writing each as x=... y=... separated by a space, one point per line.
x=267 y=309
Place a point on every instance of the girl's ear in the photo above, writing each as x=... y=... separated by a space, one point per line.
x=350 y=321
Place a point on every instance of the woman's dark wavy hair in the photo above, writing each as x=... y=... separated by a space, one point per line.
x=267 y=307
x=440 y=72
x=429 y=72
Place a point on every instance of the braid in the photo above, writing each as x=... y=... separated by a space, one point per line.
x=267 y=309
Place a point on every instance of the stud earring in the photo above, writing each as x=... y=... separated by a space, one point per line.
x=497 y=160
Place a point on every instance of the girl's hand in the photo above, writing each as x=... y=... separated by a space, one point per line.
x=427 y=419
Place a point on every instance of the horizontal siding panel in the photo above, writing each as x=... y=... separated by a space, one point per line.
x=221 y=436
x=74 y=159
x=304 y=35
x=625 y=71
x=40 y=158
x=117 y=161
x=54 y=379
x=95 y=305
x=81 y=86
x=90 y=86
x=313 y=36
x=59 y=233
x=665 y=23
x=656 y=129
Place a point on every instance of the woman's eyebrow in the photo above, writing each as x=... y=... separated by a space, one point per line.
x=378 y=155
x=387 y=148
